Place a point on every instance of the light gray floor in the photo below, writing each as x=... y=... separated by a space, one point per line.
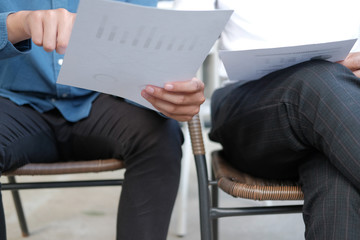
x=90 y=213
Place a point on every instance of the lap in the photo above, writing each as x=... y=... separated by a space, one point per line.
x=114 y=128
x=25 y=136
x=240 y=98
x=266 y=122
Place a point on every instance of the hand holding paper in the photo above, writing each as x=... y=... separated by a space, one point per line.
x=119 y=48
x=179 y=100
x=256 y=63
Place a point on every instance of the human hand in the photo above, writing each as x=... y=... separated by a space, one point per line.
x=178 y=100
x=50 y=29
x=352 y=61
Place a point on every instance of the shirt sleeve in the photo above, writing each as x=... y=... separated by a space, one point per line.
x=7 y=49
x=194 y=5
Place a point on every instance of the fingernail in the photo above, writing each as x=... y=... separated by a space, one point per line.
x=149 y=89
x=168 y=86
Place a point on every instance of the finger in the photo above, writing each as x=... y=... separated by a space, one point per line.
x=351 y=64
x=176 y=98
x=352 y=61
x=192 y=85
x=357 y=73
x=180 y=118
x=50 y=31
x=171 y=109
x=64 y=32
x=35 y=27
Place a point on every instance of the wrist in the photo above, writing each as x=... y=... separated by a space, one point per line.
x=15 y=27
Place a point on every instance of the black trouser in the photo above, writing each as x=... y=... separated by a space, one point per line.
x=303 y=121
x=149 y=143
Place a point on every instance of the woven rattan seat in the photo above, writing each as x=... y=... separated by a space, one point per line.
x=56 y=168
x=67 y=167
x=239 y=184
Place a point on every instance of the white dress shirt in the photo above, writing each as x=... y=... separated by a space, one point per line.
x=275 y=23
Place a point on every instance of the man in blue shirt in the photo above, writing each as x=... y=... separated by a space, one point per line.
x=70 y=123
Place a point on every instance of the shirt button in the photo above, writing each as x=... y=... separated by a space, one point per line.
x=64 y=95
x=60 y=61
x=53 y=100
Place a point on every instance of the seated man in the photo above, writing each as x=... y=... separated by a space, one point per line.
x=302 y=122
x=42 y=121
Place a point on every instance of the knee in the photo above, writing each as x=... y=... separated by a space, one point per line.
x=156 y=138
x=167 y=140
x=318 y=76
x=157 y=153
x=161 y=133
x=310 y=84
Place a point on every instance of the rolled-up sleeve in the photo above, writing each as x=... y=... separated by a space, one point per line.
x=7 y=49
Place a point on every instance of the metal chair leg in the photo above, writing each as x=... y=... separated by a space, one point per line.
x=204 y=197
x=19 y=208
x=215 y=203
x=202 y=174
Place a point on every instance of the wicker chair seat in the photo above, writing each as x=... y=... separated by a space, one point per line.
x=99 y=165
x=239 y=184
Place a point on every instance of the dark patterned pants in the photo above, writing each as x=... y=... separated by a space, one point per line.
x=302 y=122
x=149 y=143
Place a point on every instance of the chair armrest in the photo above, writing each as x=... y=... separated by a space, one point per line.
x=195 y=130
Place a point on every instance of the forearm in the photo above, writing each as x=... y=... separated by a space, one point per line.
x=7 y=48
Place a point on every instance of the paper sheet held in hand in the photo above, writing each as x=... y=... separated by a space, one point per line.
x=254 y=64
x=119 y=48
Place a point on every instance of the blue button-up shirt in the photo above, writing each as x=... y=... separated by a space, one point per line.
x=28 y=73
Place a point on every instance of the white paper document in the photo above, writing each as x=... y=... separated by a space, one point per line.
x=254 y=64
x=119 y=48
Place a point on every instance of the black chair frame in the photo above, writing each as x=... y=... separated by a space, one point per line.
x=53 y=168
